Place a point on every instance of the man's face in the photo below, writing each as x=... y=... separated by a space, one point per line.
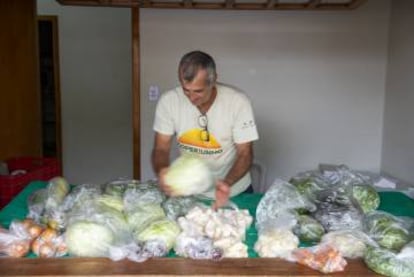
x=197 y=90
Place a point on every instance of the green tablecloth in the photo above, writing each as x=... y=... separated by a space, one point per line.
x=396 y=203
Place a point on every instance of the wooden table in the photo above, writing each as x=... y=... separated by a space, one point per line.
x=167 y=267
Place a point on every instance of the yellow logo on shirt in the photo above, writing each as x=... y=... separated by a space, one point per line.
x=192 y=141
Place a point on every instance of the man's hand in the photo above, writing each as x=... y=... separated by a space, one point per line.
x=161 y=182
x=222 y=194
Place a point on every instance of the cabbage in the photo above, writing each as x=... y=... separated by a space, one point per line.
x=308 y=229
x=387 y=230
x=88 y=239
x=188 y=175
x=164 y=230
x=388 y=263
x=366 y=196
x=143 y=215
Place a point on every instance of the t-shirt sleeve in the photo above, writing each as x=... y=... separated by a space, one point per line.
x=245 y=129
x=163 y=121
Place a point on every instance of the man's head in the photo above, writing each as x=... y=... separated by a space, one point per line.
x=197 y=75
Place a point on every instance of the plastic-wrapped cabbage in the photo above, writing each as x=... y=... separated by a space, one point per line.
x=36 y=204
x=366 y=196
x=388 y=263
x=188 y=175
x=350 y=243
x=336 y=209
x=142 y=194
x=99 y=213
x=308 y=183
x=57 y=189
x=308 y=229
x=143 y=215
x=112 y=201
x=159 y=235
x=175 y=207
x=81 y=194
x=118 y=187
x=89 y=239
x=387 y=230
x=277 y=207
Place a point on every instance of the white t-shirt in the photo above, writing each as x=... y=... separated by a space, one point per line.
x=230 y=121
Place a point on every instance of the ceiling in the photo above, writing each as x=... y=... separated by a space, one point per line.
x=224 y=4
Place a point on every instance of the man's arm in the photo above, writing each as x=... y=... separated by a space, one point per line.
x=160 y=158
x=244 y=158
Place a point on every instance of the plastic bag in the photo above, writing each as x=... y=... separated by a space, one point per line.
x=16 y=241
x=387 y=230
x=13 y=245
x=197 y=248
x=323 y=258
x=388 y=263
x=350 y=243
x=36 y=204
x=308 y=229
x=141 y=194
x=49 y=244
x=175 y=207
x=226 y=228
x=277 y=207
x=337 y=210
x=276 y=243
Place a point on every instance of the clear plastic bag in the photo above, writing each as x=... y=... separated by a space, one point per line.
x=350 y=243
x=337 y=210
x=16 y=241
x=226 y=228
x=142 y=194
x=308 y=229
x=277 y=207
x=13 y=245
x=197 y=248
x=388 y=231
x=322 y=257
x=175 y=207
x=36 y=204
x=389 y=263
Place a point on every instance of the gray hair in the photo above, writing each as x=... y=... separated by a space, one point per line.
x=192 y=62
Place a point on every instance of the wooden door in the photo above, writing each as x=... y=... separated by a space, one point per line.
x=20 y=129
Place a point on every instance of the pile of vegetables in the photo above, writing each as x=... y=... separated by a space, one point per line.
x=225 y=228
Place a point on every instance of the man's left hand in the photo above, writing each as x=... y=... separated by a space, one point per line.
x=222 y=194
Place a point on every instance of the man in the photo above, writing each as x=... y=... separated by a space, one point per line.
x=212 y=120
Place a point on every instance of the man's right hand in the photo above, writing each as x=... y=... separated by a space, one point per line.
x=161 y=182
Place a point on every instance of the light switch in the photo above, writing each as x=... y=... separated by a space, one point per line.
x=153 y=93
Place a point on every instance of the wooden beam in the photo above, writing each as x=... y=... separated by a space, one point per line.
x=226 y=4
x=356 y=3
x=313 y=3
x=271 y=4
x=229 y=4
x=136 y=93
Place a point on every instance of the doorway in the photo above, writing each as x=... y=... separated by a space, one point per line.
x=50 y=86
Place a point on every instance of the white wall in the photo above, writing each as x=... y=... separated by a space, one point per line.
x=398 y=146
x=95 y=75
x=316 y=79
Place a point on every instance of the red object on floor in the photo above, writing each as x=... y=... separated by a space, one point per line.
x=36 y=169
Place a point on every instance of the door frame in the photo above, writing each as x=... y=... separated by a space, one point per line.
x=53 y=19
